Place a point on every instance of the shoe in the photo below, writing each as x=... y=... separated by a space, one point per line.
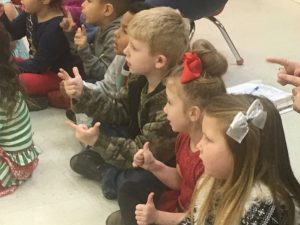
x=109 y=185
x=115 y=219
x=192 y=29
x=37 y=103
x=88 y=164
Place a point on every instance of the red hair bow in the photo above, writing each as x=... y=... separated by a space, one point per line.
x=192 y=67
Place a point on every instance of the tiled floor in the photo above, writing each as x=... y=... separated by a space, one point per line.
x=56 y=196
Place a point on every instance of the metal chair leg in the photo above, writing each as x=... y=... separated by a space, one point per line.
x=239 y=59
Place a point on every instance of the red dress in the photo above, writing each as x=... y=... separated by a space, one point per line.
x=191 y=168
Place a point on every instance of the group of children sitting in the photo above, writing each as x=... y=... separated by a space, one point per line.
x=166 y=140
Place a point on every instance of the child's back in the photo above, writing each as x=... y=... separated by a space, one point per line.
x=18 y=156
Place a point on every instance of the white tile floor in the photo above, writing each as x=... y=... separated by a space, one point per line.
x=57 y=196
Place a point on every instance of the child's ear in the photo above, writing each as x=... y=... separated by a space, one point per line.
x=161 y=61
x=109 y=9
x=195 y=113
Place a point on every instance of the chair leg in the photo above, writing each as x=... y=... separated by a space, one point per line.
x=192 y=29
x=239 y=59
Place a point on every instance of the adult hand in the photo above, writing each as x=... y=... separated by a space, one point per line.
x=288 y=68
x=296 y=99
x=73 y=87
x=80 y=39
x=88 y=136
x=143 y=158
x=67 y=24
x=146 y=213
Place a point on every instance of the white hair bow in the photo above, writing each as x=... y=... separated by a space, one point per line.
x=239 y=128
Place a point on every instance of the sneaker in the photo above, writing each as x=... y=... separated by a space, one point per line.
x=88 y=164
x=37 y=103
x=115 y=219
x=109 y=181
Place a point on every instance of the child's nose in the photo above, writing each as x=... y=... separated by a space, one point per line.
x=116 y=33
x=126 y=51
x=199 y=146
x=165 y=109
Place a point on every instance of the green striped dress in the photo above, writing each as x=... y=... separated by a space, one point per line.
x=18 y=156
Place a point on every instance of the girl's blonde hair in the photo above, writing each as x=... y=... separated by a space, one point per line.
x=199 y=91
x=262 y=157
x=164 y=30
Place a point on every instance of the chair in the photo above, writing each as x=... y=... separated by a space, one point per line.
x=207 y=10
x=238 y=58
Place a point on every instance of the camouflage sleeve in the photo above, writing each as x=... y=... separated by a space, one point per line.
x=96 y=65
x=120 y=151
x=103 y=107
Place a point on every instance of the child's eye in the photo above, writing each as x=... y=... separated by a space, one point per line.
x=206 y=139
x=132 y=46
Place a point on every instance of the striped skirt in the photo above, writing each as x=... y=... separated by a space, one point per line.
x=15 y=168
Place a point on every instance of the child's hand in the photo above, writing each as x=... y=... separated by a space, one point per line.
x=146 y=213
x=143 y=158
x=88 y=136
x=67 y=23
x=73 y=87
x=80 y=39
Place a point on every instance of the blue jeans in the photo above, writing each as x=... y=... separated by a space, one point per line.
x=192 y=9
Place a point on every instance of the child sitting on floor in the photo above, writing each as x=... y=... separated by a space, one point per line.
x=152 y=52
x=248 y=177
x=48 y=49
x=18 y=156
x=96 y=57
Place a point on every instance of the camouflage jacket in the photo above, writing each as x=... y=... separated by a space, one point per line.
x=145 y=116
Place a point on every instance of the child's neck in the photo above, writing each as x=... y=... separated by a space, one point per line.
x=195 y=136
x=48 y=13
x=154 y=79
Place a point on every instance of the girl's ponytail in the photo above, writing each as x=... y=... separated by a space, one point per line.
x=213 y=62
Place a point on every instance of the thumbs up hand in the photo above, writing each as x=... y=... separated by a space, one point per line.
x=144 y=158
x=80 y=38
x=84 y=134
x=73 y=87
x=146 y=213
x=67 y=23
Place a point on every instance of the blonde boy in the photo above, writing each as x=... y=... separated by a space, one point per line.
x=96 y=57
x=158 y=38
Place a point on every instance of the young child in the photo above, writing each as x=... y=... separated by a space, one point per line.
x=189 y=88
x=117 y=73
x=96 y=57
x=151 y=52
x=48 y=48
x=249 y=179
x=18 y=156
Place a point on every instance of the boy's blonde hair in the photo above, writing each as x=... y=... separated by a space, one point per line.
x=164 y=30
